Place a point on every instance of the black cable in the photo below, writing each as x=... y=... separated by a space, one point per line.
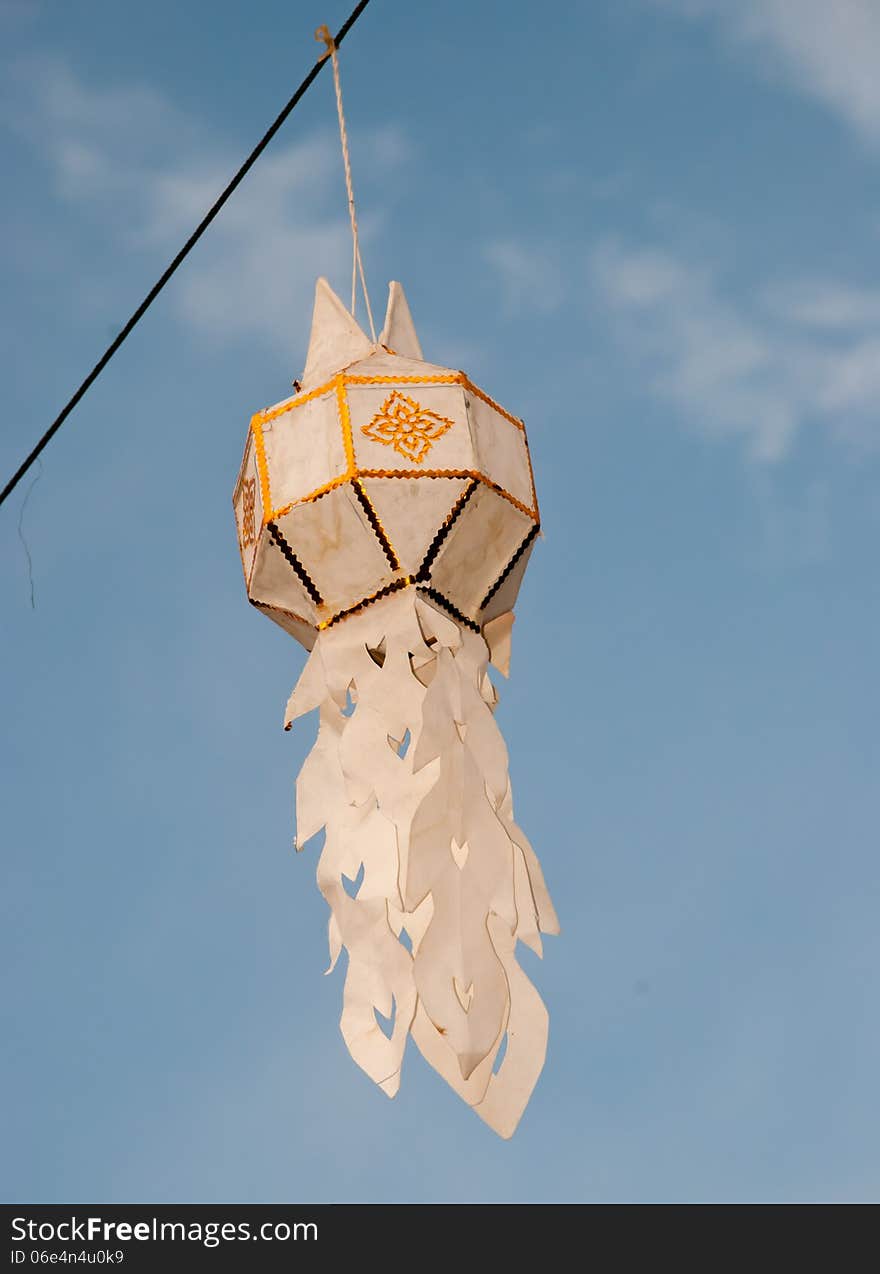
x=178 y=260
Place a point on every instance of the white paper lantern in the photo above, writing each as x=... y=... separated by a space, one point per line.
x=386 y=514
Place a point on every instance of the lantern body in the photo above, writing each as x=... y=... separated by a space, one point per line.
x=385 y=516
x=391 y=473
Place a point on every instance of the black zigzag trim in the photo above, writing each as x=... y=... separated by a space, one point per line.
x=393 y=587
x=436 y=544
x=377 y=526
x=510 y=565
x=448 y=606
x=303 y=575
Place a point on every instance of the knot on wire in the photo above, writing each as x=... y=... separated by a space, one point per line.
x=324 y=36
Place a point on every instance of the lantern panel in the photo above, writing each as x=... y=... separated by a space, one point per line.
x=480 y=544
x=275 y=582
x=335 y=542
x=412 y=511
x=501 y=450
x=409 y=427
x=304 y=449
x=504 y=596
x=304 y=633
x=247 y=500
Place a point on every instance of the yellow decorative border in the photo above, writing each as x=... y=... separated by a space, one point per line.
x=448 y=378
x=298 y=400
x=475 y=389
x=418 y=473
x=312 y=496
x=271 y=413
x=262 y=467
x=345 y=421
x=338 y=385
x=452 y=378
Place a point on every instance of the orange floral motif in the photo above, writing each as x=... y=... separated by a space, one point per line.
x=407 y=426
x=248 y=512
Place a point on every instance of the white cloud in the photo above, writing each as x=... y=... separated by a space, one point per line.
x=761 y=369
x=827 y=49
x=823 y=305
x=128 y=160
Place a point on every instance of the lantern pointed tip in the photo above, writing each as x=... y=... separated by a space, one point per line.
x=336 y=338
x=399 y=331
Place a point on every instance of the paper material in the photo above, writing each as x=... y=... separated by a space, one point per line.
x=399 y=332
x=498 y=632
x=336 y=339
x=304 y=448
x=413 y=789
x=381 y=469
x=385 y=516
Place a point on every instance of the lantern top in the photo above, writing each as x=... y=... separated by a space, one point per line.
x=337 y=340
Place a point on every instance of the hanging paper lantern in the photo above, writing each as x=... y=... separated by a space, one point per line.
x=386 y=514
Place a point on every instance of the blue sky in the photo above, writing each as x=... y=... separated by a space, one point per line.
x=651 y=227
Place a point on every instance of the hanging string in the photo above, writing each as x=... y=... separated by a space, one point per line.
x=179 y=259
x=21 y=536
x=357 y=265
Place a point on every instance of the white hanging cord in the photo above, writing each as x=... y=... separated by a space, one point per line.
x=357 y=265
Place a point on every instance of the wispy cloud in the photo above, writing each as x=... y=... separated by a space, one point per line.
x=760 y=368
x=827 y=49
x=825 y=306
x=143 y=171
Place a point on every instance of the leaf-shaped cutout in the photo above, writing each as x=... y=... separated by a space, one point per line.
x=352 y=887
x=465 y=996
x=500 y=1055
x=377 y=653
x=459 y=852
x=386 y=1024
x=400 y=746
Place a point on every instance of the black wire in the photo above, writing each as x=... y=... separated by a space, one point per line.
x=178 y=260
